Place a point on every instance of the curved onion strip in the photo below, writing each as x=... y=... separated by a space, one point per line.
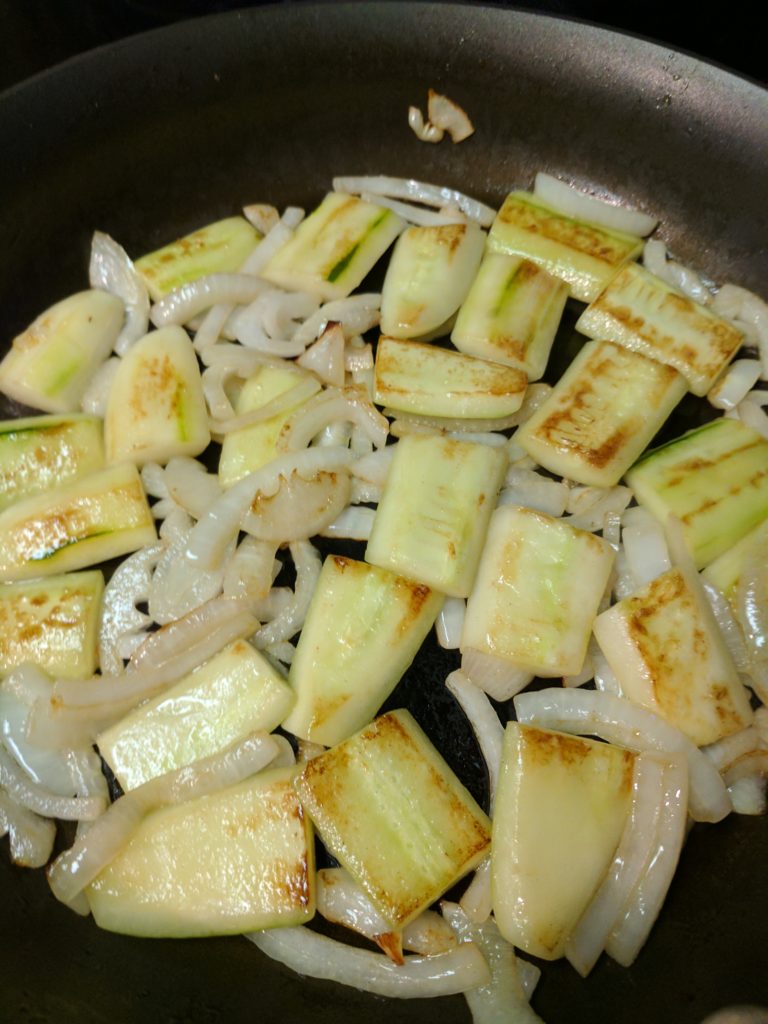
x=633 y=854
x=96 y=394
x=476 y=901
x=450 y=623
x=351 y=404
x=504 y=998
x=751 y=601
x=755 y=762
x=423 y=130
x=417 y=192
x=428 y=934
x=352 y=523
x=574 y=202
x=239 y=361
x=738 y=304
x=754 y=416
x=185 y=302
x=317 y=956
x=600 y=503
x=605 y=680
x=446 y=114
x=190 y=485
x=728 y=625
x=740 y=377
x=629 y=935
x=588 y=712
x=56 y=727
x=248 y=572
x=341 y=901
x=128 y=587
x=356 y=314
x=530 y=489
x=289 y=622
x=674 y=274
x=212 y=324
x=305 y=387
x=495 y=676
x=645 y=545
x=415 y=214
x=37 y=798
x=31 y=837
x=485 y=723
x=724 y=752
x=412 y=423
x=748 y=795
x=374 y=467
x=77 y=867
x=301 y=508
x=263 y=216
x=112 y=269
x=178 y=588
x=325 y=357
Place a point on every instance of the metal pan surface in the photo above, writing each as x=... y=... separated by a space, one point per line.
x=153 y=136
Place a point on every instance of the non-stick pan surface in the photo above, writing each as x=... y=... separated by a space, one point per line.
x=156 y=135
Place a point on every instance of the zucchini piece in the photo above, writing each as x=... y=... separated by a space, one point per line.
x=221 y=247
x=42 y=452
x=714 y=479
x=248 y=449
x=537 y=592
x=362 y=631
x=428 y=277
x=235 y=693
x=601 y=414
x=52 y=623
x=645 y=314
x=725 y=572
x=101 y=516
x=511 y=313
x=334 y=248
x=669 y=656
x=431 y=381
x=585 y=256
x=50 y=365
x=561 y=805
x=235 y=861
x=156 y=409
x=392 y=812
x=431 y=521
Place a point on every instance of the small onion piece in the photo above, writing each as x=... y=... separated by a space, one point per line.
x=576 y=203
x=476 y=901
x=300 y=508
x=341 y=901
x=724 y=752
x=263 y=216
x=484 y=721
x=96 y=394
x=289 y=622
x=450 y=623
x=645 y=545
x=747 y=310
x=185 y=302
x=500 y=679
x=530 y=489
x=351 y=404
x=416 y=214
x=423 y=130
x=305 y=387
x=31 y=836
x=684 y=279
x=740 y=377
x=596 y=503
x=748 y=795
x=356 y=314
x=317 y=956
x=444 y=113
x=417 y=192
x=326 y=356
x=753 y=415
x=42 y=801
x=352 y=523
x=112 y=269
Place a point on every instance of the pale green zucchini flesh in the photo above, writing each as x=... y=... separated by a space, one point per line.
x=239 y=860
x=392 y=812
x=585 y=256
x=601 y=414
x=362 y=631
x=726 y=570
x=645 y=314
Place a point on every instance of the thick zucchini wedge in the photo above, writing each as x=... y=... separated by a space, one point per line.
x=713 y=479
x=428 y=277
x=389 y=808
x=511 y=313
x=42 y=452
x=102 y=516
x=221 y=247
x=645 y=314
x=235 y=693
x=239 y=860
x=431 y=381
x=725 y=572
x=537 y=591
x=156 y=408
x=560 y=808
x=669 y=657
x=585 y=256
x=361 y=633
x=431 y=521
x=334 y=248
x=50 y=364
x=601 y=414
x=53 y=623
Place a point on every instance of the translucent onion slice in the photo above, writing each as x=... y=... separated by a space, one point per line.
x=530 y=489
x=753 y=415
x=751 y=601
x=684 y=279
x=450 y=623
x=356 y=314
x=446 y=114
x=352 y=405
x=416 y=214
x=263 y=216
x=42 y=801
x=500 y=679
x=751 y=764
x=305 y=387
x=341 y=901
x=317 y=956
x=301 y=508
x=728 y=625
x=417 y=192
x=748 y=795
x=374 y=467
x=581 y=205
x=476 y=901
x=325 y=357
x=31 y=837
x=185 y=302
x=616 y=720
x=288 y=623
x=413 y=423
x=746 y=309
x=590 y=505
x=76 y=868
x=428 y=934
x=423 y=130
x=740 y=377
x=484 y=721
x=479 y=437
x=178 y=588
x=725 y=751
x=645 y=545
x=352 y=523
x=96 y=394
x=248 y=572
x=190 y=485
x=112 y=269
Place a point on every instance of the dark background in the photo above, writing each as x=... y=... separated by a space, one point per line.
x=36 y=34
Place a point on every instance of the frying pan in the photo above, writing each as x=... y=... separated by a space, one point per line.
x=153 y=136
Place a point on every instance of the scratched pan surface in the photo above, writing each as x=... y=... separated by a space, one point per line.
x=156 y=135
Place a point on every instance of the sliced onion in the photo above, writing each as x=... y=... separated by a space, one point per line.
x=728 y=624
x=752 y=763
x=413 y=423
x=484 y=721
x=73 y=870
x=753 y=415
x=317 y=956
x=288 y=623
x=573 y=202
x=374 y=467
x=362 y=492
x=476 y=901
x=263 y=216
x=605 y=680
x=740 y=377
x=450 y=623
x=684 y=279
x=356 y=314
x=341 y=901
x=325 y=357
x=248 y=573
x=351 y=405
x=42 y=801
x=418 y=192
x=112 y=269
x=498 y=678
x=590 y=505
x=185 y=302
x=358 y=356
x=748 y=795
x=530 y=489
x=301 y=508
x=417 y=214
x=190 y=485
x=352 y=523
x=746 y=308
x=616 y=720
x=444 y=113
x=645 y=546
x=31 y=837
x=178 y=588
x=423 y=130
x=479 y=437
x=305 y=387
x=751 y=599
x=96 y=394
x=724 y=752
x=428 y=934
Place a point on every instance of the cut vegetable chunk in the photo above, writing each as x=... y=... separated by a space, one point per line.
x=102 y=516
x=726 y=570
x=53 y=623
x=643 y=313
x=511 y=313
x=156 y=409
x=361 y=633
x=42 y=452
x=713 y=479
x=221 y=247
x=537 y=591
x=601 y=414
x=431 y=381
x=428 y=277
x=237 y=860
x=585 y=256
x=669 y=657
x=50 y=364
x=431 y=522
x=560 y=810
x=334 y=248
x=234 y=694
x=389 y=808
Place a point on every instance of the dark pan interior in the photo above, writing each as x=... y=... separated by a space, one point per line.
x=156 y=135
